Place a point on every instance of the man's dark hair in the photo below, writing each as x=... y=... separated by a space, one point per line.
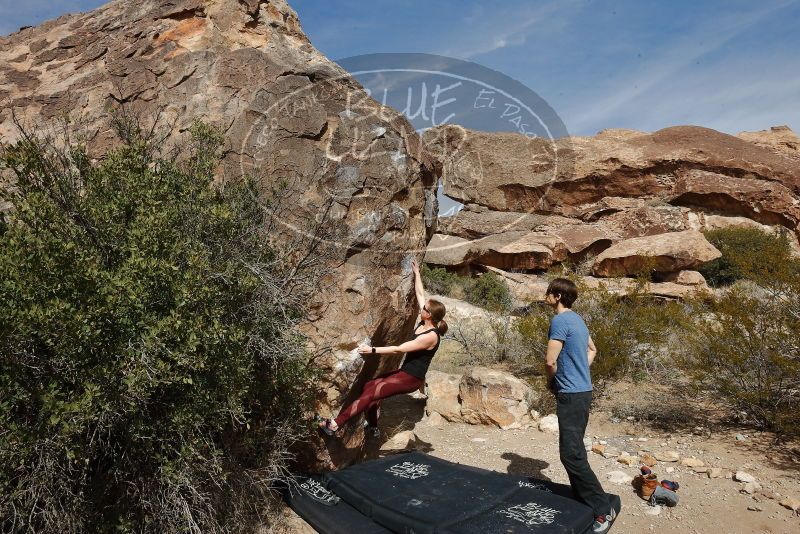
x=565 y=288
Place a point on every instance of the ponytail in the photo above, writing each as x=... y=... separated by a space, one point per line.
x=441 y=326
x=437 y=311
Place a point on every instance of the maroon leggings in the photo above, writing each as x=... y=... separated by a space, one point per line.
x=374 y=391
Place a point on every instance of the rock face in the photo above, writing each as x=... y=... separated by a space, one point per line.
x=538 y=204
x=481 y=396
x=495 y=397
x=442 y=389
x=670 y=252
x=287 y=114
x=780 y=139
x=491 y=169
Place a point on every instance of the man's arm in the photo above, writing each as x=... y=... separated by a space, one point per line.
x=550 y=360
x=592 y=352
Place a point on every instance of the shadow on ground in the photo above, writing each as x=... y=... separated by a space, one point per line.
x=529 y=467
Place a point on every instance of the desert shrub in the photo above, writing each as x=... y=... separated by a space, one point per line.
x=440 y=281
x=488 y=291
x=151 y=373
x=489 y=340
x=633 y=334
x=745 y=348
x=745 y=351
x=746 y=253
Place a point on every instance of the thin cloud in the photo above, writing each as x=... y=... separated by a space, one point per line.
x=503 y=28
x=702 y=41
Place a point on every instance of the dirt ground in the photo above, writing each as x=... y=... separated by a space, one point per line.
x=706 y=505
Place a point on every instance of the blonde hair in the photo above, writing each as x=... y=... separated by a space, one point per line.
x=437 y=311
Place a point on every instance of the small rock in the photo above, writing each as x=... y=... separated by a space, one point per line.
x=603 y=442
x=792 y=503
x=668 y=456
x=627 y=459
x=670 y=469
x=587 y=443
x=692 y=462
x=619 y=477
x=770 y=495
x=598 y=448
x=755 y=508
x=549 y=423
x=648 y=459
x=741 y=476
x=479 y=440
x=610 y=452
x=404 y=441
x=653 y=510
x=739 y=437
x=642 y=439
x=751 y=488
x=701 y=469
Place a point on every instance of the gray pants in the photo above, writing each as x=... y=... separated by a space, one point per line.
x=573 y=416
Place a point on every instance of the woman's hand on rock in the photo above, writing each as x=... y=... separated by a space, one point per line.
x=364 y=349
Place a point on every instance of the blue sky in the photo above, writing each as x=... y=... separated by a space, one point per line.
x=731 y=65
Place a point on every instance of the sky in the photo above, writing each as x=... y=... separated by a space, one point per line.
x=731 y=65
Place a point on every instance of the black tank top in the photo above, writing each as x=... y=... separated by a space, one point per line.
x=416 y=363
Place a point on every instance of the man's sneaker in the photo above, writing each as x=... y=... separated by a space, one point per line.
x=601 y=523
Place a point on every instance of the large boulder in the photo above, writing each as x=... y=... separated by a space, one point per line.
x=780 y=139
x=289 y=116
x=763 y=201
x=474 y=222
x=663 y=253
x=518 y=250
x=493 y=397
x=508 y=172
x=442 y=389
x=447 y=250
x=508 y=250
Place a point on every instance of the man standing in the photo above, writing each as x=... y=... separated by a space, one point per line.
x=570 y=352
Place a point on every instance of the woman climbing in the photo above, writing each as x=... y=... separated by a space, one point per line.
x=411 y=375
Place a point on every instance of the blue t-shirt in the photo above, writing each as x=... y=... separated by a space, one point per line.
x=572 y=372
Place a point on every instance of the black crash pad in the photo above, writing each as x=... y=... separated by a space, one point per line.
x=324 y=510
x=416 y=493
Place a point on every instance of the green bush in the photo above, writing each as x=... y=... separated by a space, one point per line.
x=152 y=379
x=488 y=291
x=745 y=351
x=440 y=281
x=632 y=333
x=746 y=253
